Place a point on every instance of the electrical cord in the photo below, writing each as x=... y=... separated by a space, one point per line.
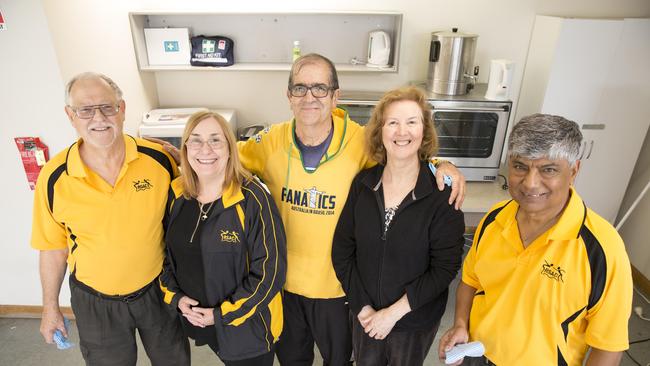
x=634 y=360
x=505 y=182
x=630 y=356
x=641 y=294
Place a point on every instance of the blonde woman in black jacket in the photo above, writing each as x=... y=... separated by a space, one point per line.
x=226 y=249
x=398 y=243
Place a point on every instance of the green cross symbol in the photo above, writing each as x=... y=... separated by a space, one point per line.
x=208 y=46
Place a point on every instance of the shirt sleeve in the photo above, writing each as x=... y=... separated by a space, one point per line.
x=607 y=320
x=445 y=254
x=267 y=248
x=469 y=274
x=47 y=232
x=254 y=152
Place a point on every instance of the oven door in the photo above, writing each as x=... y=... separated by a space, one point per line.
x=471 y=134
x=358 y=111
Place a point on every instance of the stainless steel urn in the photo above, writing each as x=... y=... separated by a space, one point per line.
x=451 y=62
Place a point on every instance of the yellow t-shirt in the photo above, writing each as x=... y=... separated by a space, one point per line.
x=310 y=202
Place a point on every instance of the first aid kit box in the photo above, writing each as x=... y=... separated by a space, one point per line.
x=168 y=46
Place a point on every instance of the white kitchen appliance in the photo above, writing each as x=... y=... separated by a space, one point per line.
x=168 y=124
x=500 y=79
x=378 y=49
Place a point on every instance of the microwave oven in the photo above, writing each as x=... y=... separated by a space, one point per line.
x=471 y=129
x=168 y=124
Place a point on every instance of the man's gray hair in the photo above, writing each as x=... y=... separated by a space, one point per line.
x=312 y=58
x=545 y=136
x=89 y=75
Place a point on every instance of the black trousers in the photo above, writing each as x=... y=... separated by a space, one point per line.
x=107 y=329
x=324 y=321
x=399 y=348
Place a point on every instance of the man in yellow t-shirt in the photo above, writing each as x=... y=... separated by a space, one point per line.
x=98 y=208
x=546 y=278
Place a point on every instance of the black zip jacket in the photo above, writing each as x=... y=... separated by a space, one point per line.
x=419 y=255
x=243 y=247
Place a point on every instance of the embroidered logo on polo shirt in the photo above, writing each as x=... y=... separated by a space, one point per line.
x=553 y=272
x=142 y=185
x=229 y=236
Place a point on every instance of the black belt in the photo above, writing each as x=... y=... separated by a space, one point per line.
x=124 y=298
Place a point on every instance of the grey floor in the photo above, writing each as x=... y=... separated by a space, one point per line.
x=21 y=343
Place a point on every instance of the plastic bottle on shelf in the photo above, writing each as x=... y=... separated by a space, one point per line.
x=295 y=52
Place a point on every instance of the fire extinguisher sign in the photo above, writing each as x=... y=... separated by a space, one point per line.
x=3 y=26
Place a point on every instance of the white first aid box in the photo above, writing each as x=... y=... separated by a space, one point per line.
x=168 y=46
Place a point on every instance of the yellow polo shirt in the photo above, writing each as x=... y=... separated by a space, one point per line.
x=545 y=304
x=114 y=234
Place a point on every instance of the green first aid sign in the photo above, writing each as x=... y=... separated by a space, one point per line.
x=207 y=46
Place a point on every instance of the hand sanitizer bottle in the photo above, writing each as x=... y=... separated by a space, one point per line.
x=296 y=50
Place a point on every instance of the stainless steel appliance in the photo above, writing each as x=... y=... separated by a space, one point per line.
x=471 y=129
x=451 y=62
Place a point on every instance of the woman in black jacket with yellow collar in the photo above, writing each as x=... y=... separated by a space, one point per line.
x=226 y=249
x=398 y=243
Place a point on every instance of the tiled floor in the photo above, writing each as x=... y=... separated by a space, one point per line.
x=21 y=344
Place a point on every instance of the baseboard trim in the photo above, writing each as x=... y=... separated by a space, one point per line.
x=641 y=282
x=35 y=311
x=29 y=311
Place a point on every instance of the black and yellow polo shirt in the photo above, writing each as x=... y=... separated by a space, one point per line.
x=114 y=234
x=545 y=304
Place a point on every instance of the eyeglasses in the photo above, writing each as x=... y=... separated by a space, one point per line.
x=197 y=144
x=317 y=90
x=88 y=112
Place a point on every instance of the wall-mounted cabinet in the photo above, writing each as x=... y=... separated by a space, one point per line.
x=264 y=41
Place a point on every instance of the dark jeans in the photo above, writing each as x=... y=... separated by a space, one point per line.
x=399 y=348
x=107 y=329
x=324 y=321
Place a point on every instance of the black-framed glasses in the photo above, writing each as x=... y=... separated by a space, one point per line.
x=197 y=143
x=317 y=90
x=88 y=112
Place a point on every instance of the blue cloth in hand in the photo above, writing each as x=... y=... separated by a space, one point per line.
x=61 y=341
x=446 y=179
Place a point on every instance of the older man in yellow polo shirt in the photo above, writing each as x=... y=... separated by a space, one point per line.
x=546 y=278
x=99 y=206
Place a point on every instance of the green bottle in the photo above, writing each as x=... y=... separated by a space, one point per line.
x=296 y=50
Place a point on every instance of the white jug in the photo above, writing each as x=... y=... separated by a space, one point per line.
x=378 y=49
x=500 y=81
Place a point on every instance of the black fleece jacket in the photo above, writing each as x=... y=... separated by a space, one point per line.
x=419 y=255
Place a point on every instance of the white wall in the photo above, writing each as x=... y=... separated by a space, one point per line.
x=635 y=231
x=95 y=35
x=31 y=101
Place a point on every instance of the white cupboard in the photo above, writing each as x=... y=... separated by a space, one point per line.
x=594 y=72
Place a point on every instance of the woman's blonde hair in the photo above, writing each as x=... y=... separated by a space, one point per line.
x=374 y=144
x=235 y=172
